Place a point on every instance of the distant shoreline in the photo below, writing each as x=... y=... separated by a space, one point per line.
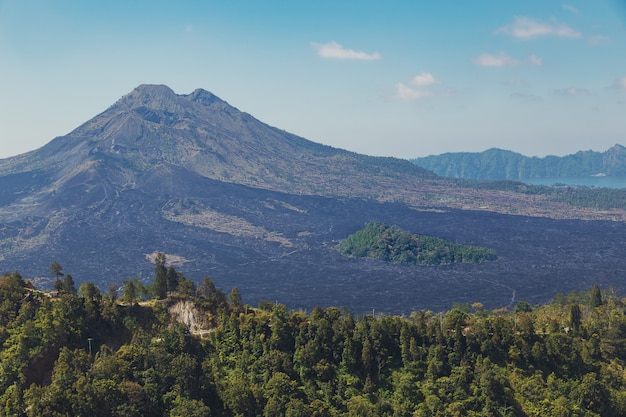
x=589 y=181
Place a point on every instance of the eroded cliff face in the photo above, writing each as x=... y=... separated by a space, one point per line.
x=186 y=312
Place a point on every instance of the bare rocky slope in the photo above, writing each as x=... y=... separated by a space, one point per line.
x=252 y=206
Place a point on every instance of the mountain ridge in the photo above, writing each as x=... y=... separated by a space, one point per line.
x=207 y=135
x=500 y=164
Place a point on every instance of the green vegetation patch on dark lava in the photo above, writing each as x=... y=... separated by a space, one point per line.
x=392 y=244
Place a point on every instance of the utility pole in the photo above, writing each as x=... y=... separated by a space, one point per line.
x=89 y=339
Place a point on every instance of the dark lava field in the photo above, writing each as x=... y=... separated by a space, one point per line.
x=537 y=257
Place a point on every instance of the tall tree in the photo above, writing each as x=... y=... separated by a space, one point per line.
x=112 y=293
x=89 y=291
x=56 y=269
x=235 y=299
x=159 y=285
x=595 y=299
x=58 y=285
x=207 y=289
x=186 y=287
x=132 y=290
x=575 y=317
x=160 y=260
x=68 y=284
x=172 y=279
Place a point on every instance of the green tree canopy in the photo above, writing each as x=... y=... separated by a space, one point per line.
x=159 y=287
x=595 y=298
x=55 y=269
x=392 y=244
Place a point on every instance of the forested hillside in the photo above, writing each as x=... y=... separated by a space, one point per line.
x=499 y=164
x=85 y=353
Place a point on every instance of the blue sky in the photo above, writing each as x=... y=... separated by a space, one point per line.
x=390 y=78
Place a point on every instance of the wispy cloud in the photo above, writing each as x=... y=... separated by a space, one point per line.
x=570 y=8
x=534 y=60
x=526 y=28
x=407 y=93
x=620 y=83
x=332 y=50
x=418 y=88
x=495 y=60
x=572 y=91
x=503 y=60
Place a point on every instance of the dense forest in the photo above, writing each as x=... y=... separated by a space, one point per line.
x=392 y=244
x=87 y=353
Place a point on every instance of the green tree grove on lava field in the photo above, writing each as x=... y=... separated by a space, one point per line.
x=392 y=244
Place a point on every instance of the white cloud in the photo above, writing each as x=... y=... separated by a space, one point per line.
x=570 y=8
x=535 y=60
x=503 y=60
x=418 y=87
x=620 y=83
x=526 y=28
x=406 y=93
x=572 y=91
x=495 y=60
x=423 y=80
x=332 y=50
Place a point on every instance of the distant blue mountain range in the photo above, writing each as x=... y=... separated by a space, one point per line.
x=499 y=164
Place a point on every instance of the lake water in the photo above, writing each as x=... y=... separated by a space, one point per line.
x=606 y=182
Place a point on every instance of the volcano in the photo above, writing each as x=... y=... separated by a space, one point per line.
x=252 y=206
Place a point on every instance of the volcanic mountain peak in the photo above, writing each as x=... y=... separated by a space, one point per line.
x=205 y=97
x=163 y=98
x=152 y=91
x=204 y=135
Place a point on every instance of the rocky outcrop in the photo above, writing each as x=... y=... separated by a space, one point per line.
x=186 y=312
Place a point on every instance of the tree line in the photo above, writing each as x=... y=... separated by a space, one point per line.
x=578 y=196
x=89 y=353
